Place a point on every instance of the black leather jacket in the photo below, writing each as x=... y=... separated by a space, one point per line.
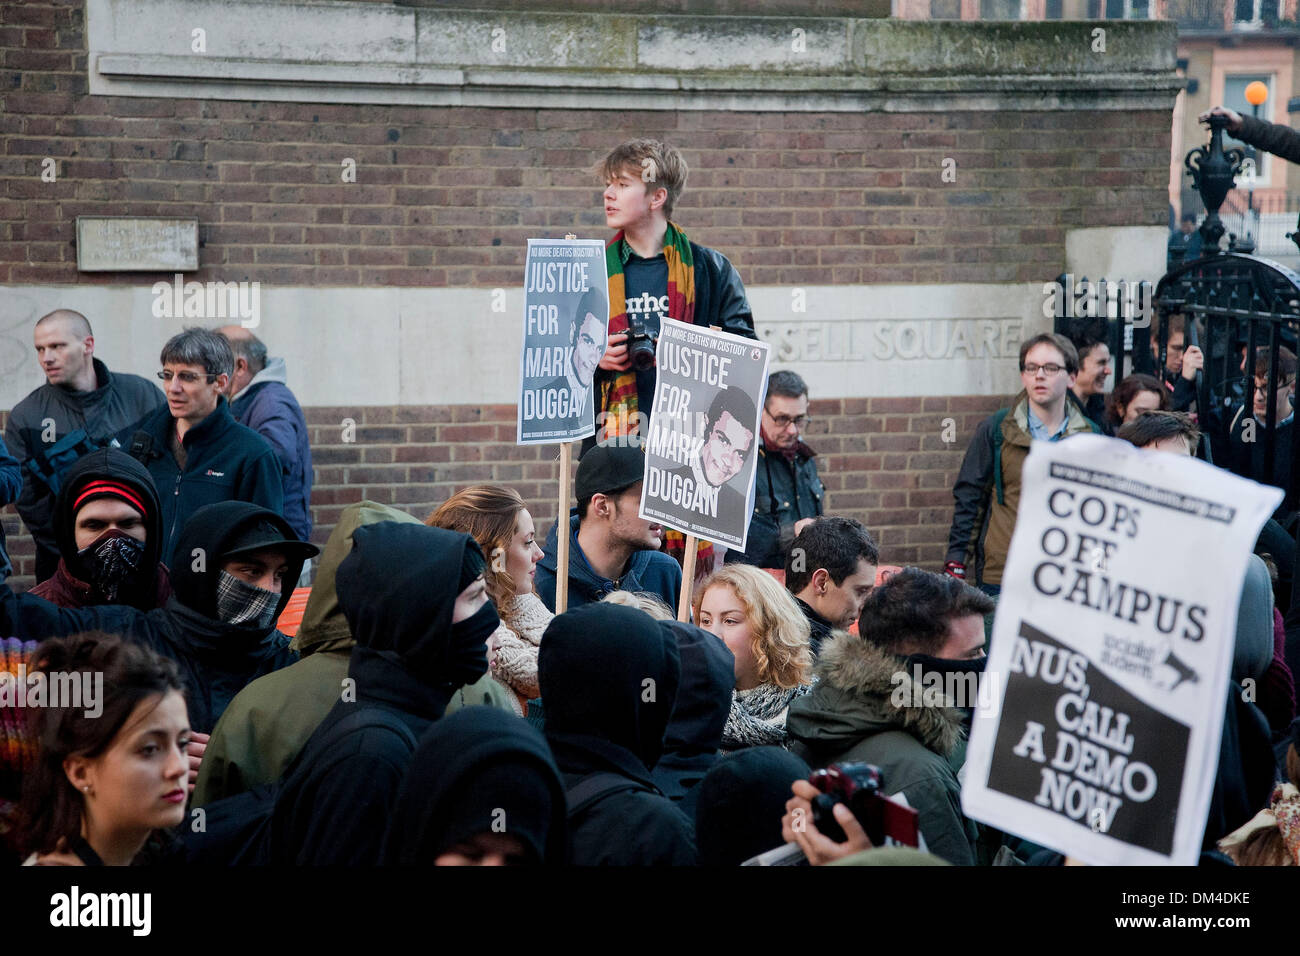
x=784 y=493
x=719 y=300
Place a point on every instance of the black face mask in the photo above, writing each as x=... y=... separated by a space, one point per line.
x=110 y=560
x=943 y=666
x=467 y=651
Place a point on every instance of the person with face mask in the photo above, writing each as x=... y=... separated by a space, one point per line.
x=267 y=724
x=236 y=577
x=875 y=700
x=106 y=524
x=419 y=611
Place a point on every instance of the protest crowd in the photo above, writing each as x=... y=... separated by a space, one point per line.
x=465 y=687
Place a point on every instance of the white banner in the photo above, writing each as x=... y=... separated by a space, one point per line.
x=1111 y=651
x=704 y=432
x=566 y=317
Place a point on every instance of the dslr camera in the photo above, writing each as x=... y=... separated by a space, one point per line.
x=642 y=340
x=857 y=786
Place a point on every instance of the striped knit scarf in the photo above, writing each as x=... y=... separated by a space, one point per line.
x=618 y=397
x=758 y=715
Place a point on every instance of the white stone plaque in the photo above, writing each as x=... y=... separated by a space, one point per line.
x=137 y=244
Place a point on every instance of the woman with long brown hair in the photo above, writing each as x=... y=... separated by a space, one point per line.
x=111 y=766
x=498 y=519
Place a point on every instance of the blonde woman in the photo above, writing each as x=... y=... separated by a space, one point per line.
x=498 y=519
x=642 y=601
x=762 y=625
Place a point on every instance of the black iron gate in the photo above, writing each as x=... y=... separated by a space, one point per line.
x=1233 y=305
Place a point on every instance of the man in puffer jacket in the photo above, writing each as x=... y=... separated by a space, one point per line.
x=261 y=400
x=868 y=705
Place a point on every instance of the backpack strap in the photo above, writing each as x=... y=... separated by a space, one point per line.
x=360 y=717
x=998 y=418
x=48 y=464
x=594 y=787
x=365 y=717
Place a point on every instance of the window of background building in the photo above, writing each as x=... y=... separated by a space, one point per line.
x=1128 y=9
x=1234 y=97
x=945 y=9
x=1053 y=10
x=1255 y=12
x=1001 y=9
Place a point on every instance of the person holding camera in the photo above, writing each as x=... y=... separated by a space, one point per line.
x=655 y=272
x=874 y=704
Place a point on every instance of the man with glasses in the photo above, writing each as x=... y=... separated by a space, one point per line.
x=193 y=447
x=788 y=494
x=1246 y=441
x=987 y=491
x=81 y=406
x=1247 y=450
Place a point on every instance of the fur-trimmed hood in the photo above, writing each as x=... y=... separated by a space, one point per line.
x=859 y=694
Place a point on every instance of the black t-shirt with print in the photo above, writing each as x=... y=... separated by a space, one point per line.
x=645 y=282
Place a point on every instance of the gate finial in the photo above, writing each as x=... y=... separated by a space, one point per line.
x=1213 y=170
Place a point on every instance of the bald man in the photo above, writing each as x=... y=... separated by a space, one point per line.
x=260 y=399
x=80 y=407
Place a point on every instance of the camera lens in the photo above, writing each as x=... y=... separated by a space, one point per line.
x=642 y=355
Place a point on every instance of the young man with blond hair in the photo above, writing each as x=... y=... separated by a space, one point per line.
x=655 y=272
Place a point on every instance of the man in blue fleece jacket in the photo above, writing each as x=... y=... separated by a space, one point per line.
x=611 y=549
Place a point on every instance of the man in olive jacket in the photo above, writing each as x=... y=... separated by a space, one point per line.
x=986 y=495
x=877 y=702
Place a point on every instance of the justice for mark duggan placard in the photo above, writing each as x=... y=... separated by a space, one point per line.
x=704 y=432
x=566 y=315
x=1111 y=651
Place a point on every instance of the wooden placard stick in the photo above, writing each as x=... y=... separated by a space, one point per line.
x=562 y=532
x=688 y=579
x=562 y=522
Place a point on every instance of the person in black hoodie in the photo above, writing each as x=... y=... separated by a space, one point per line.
x=418 y=608
x=482 y=789
x=217 y=625
x=694 y=733
x=609 y=678
x=741 y=802
x=107 y=526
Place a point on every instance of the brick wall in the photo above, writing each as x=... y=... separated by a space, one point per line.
x=448 y=196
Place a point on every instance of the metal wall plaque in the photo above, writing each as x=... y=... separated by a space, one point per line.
x=137 y=244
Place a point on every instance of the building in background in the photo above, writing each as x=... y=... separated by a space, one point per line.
x=365 y=176
x=1223 y=46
